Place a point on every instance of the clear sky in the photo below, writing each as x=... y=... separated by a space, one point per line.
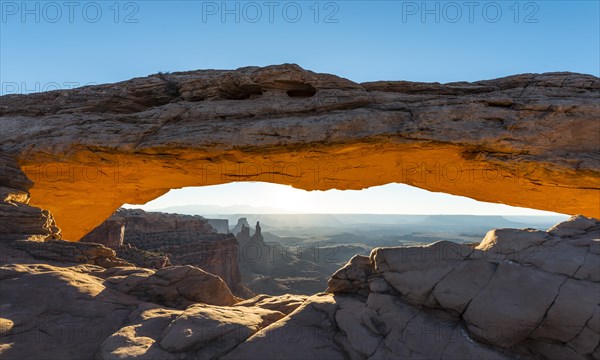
x=49 y=45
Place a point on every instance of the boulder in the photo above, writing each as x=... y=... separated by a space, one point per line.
x=175 y=286
x=353 y=277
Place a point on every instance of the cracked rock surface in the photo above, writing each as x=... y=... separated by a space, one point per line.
x=174 y=286
x=504 y=298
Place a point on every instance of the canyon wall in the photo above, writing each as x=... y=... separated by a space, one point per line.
x=184 y=239
x=111 y=233
x=527 y=140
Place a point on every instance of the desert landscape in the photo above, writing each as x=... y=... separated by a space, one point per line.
x=83 y=278
x=299 y=180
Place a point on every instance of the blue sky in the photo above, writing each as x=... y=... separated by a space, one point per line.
x=49 y=45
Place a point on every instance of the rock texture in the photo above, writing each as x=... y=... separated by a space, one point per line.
x=352 y=278
x=527 y=140
x=176 y=286
x=68 y=252
x=509 y=297
x=120 y=313
x=144 y=258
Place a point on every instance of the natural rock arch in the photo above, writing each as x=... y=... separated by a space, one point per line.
x=527 y=140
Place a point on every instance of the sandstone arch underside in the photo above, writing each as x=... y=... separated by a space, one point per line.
x=528 y=140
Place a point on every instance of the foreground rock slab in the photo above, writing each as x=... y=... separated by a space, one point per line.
x=175 y=286
x=504 y=298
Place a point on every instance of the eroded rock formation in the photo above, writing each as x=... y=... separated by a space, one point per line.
x=243 y=235
x=242 y=231
x=527 y=140
x=257 y=237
